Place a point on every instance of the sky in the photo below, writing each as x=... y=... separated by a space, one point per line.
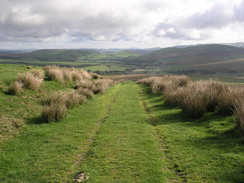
x=42 y=24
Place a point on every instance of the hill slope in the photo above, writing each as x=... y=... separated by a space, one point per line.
x=201 y=58
x=47 y=55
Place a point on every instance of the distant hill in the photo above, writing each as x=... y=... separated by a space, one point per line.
x=209 y=58
x=187 y=59
x=47 y=55
x=240 y=44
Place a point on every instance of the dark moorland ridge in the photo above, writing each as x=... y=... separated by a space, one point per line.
x=204 y=59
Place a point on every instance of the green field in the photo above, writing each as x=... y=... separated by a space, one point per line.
x=102 y=62
x=126 y=134
x=210 y=59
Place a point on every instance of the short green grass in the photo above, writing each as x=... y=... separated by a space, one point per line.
x=125 y=149
x=126 y=134
x=16 y=110
x=204 y=150
x=49 y=152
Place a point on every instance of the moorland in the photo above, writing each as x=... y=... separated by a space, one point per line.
x=80 y=115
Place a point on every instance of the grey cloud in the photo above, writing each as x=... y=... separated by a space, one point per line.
x=171 y=31
x=39 y=20
x=239 y=12
x=216 y=17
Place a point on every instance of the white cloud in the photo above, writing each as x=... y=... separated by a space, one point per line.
x=144 y=23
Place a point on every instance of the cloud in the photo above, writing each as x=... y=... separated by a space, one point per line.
x=239 y=13
x=218 y=16
x=138 y=21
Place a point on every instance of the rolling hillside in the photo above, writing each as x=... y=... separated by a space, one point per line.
x=192 y=59
x=48 y=55
x=212 y=58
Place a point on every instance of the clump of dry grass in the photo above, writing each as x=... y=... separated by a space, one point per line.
x=239 y=116
x=63 y=75
x=16 y=88
x=54 y=112
x=101 y=85
x=57 y=98
x=38 y=73
x=84 y=91
x=90 y=87
x=196 y=98
x=229 y=98
x=173 y=96
x=95 y=75
x=160 y=84
x=59 y=102
x=54 y=73
x=88 y=84
x=29 y=81
x=74 y=99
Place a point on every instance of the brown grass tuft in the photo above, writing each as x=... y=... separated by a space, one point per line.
x=95 y=75
x=84 y=91
x=229 y=98
x=101 y=85
x=74 y=99
x=16 y=88
x=65 y=74
x=54 y=73
x=29 y=81
x=160 y=84
x=196 y=98
x=38 y=74
x=88 y=84
x=239 y=116
x=52 y=113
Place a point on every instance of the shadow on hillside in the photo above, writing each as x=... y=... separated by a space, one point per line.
x=36 y=121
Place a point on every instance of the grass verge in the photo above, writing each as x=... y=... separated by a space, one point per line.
x=203 y=150
x=48 y=152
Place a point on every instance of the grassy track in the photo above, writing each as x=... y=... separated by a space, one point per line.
x=125 y=135
x=125 y=149
x=109 y=138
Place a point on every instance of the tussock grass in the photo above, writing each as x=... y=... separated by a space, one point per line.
x=84 y=91
x=159 y=84
x=62 y=100
x=239 y=116
x=85 y=88
x=58 y=98
x=74 y=99
x=29 y=81
x=63 y=75
x=54 y=73
x=96 y=86
x=38 y=74
x=229 y=99
x=87 y=84
x=101 y=85
x=94 y=75
x=54 y=112
x=197 y=98
x=16 y=88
